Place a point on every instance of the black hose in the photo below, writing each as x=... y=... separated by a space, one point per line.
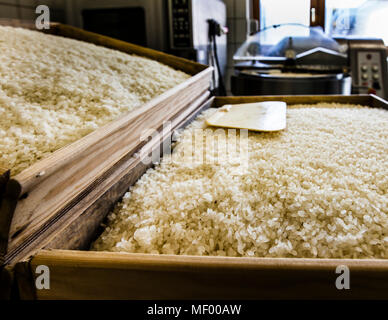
x=214 y=31
x=221 y=85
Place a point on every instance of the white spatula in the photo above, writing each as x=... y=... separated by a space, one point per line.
x=260 y=116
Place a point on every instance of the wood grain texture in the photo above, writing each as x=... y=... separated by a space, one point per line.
x=67 y=185
x=320 y=10
x=51 y=183
x=35 y=197
x=78 y=230
x=103 y=275
x=7 y=207
x=6 y=282
x=25 y=280
x=176 y=62
x=68 y=31
x=377 y=102
x=95 y=201
x=366 y=100
x=4 y=177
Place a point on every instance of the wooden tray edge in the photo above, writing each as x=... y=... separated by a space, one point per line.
x=367 y=100
x=113 y=260
x=33 y=175
x=14 y=193
x=179 y=63
x=161 y=265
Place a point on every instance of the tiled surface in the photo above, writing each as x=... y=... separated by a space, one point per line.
x=25 y=9
x=27 y=3
x=7 y=11
x=27 y=14
x=8 y=2
x=237 y=11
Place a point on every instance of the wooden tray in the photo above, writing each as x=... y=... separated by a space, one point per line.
x=42 y=194
x=76 y=274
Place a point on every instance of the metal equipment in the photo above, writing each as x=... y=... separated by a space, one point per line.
x=368 y=65
x=295 y=59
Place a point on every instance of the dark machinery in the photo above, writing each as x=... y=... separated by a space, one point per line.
x=295 y=59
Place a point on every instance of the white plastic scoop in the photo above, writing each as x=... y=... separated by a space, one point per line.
x=260 y=116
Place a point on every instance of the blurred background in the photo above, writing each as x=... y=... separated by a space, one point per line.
x=152 y=23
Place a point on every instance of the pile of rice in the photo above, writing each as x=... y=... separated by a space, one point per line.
x=318 y=189
x=54 y=90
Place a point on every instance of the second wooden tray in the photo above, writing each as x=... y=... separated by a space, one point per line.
x=44 y=192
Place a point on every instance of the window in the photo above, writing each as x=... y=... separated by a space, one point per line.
x=339 y=18
x=357 y=18
x=275 y=12
x=284 y=11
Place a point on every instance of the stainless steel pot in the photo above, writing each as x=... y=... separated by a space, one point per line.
x=244 y=83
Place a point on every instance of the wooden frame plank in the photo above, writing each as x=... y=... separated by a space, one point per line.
x=319 y=6
x=7 y=208
x=256 y=10
x=77 y=227
x=47 y=189
x=76 y=231
x=105 y=275
x=186 y=65
x=4 y=177
x=6 y=282
x=68 y=31
x=72 y=169
x=377 y=102
x=366 y=100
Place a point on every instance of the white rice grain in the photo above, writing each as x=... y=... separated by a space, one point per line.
x=316 y=190
x=54 y=91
